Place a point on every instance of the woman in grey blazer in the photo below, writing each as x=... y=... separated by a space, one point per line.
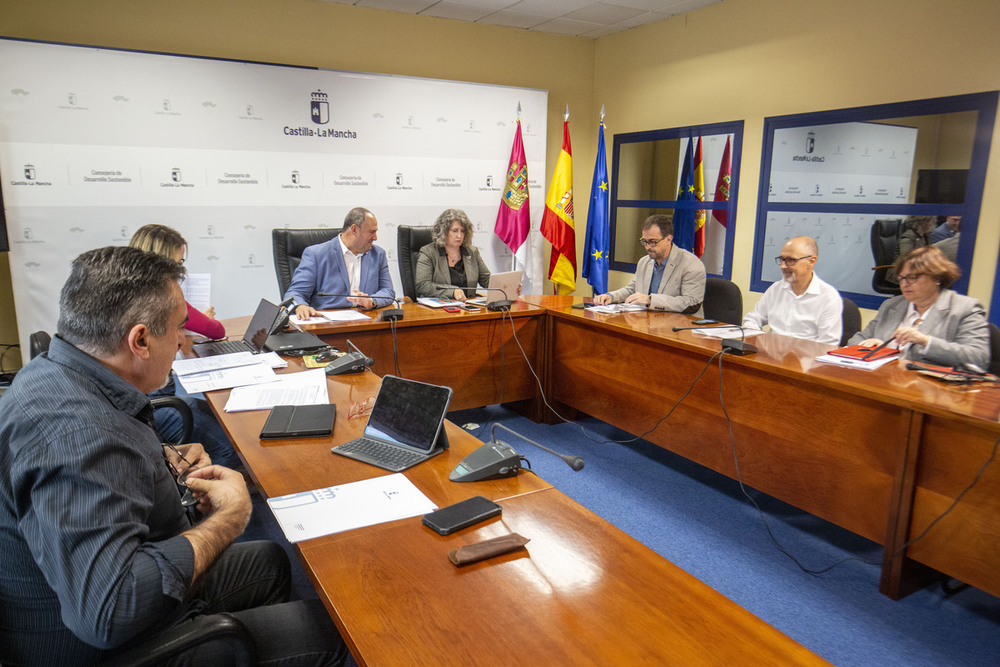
x=450 y=267
x=928 y=321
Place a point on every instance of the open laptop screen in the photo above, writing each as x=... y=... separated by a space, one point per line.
x=408 y=412
x=260 y=325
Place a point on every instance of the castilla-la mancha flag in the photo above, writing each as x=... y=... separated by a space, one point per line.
x=557 y=222
x=513 y=219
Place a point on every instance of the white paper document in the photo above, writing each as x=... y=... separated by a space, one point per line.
x=305 y=388
x=214 y=363
x=855 y=363
x=613 y=308
x=341 y=315
x=226 y=378
x=303 y=516
x=725 y=332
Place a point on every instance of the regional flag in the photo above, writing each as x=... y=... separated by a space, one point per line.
x=557 y=222
x=722 y=185
x=513 y=221
x=597 y=243
x=699 y=195
x=684 y=217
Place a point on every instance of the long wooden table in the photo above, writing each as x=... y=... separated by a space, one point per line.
x=880 y=453
x=582 y=592
x=478 y=355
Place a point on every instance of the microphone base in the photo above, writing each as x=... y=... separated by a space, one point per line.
x=499 y=304
x=391 y=315
x=737 y=347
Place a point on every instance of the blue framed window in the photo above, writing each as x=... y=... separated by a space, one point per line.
x=832 y=174
x=646 y=173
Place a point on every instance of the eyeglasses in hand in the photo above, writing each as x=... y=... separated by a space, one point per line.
x=187 y=497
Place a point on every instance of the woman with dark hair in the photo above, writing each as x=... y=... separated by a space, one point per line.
x=450 y=265
x=928 y=321
x=163 y=240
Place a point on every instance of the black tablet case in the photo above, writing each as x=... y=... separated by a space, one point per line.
x=299 y=421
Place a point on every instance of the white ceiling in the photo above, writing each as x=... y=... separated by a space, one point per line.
x=581 y=18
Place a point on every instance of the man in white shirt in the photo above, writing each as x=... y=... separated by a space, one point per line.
x=801 y=304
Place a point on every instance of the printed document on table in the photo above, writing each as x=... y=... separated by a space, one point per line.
x=725 y=332
x=305 y=388
x=303 y=516
x=214 y=363
x=341 y=315
x=855 y=363
x=613 y=308
x=226 y=378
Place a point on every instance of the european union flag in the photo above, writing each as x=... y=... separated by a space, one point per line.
x=597 y=244
x=684 y=217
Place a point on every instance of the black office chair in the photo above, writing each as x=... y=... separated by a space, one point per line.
x=287 y=246
x=723 y=300
x=409 y=241
x=38 y=342
x=994 y=349
x=885 y=247
x=221 y=627
x=851 y=320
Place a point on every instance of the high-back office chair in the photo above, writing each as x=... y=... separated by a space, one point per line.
x=409 y=241
x=850 y=320
x=994 y=349
x=885 y=246
x=287 y=246
x=723 y=300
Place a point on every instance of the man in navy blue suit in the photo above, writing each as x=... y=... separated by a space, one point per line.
x=348 y=264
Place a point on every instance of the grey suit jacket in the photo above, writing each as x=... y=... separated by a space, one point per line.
x=956 y=324
x=682 y=288
x=432 y=277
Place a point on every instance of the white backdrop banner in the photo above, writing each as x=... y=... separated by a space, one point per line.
x=95 y=143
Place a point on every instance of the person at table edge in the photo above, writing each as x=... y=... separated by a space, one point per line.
x=801 y=304
x=667 y=278
x=928 y=321
x=98 y=551
x=449 y=265
x=348 y=264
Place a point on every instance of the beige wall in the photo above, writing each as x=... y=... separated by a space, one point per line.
x=738 y=59
x=748 y=59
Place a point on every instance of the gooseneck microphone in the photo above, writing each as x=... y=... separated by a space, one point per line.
x=704 y=326
x=574 y=462
x=729 y=345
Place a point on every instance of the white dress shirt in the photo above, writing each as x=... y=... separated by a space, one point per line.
x=353 y=263
x=816 y=314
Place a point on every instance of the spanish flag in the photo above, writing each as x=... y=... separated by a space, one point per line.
x=699 y=195
x=557 y=222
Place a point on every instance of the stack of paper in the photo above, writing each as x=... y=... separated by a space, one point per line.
x=224 y=371
x=305 y=388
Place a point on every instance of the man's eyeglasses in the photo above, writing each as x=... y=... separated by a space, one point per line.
x=649 y=243
x=187 y=498
x=789 y=261
x=910 y=278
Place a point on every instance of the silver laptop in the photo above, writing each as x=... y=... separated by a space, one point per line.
x=253 y=340
x=507 y=283
x=405 y=427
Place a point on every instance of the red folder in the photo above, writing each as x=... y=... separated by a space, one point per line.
x=859 y=352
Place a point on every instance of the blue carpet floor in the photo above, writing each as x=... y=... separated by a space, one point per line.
x=702 y=522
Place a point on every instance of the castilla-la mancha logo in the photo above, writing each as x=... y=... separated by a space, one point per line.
x=319 y=108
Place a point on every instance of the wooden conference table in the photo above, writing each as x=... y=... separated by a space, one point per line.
x=880 y=453
x=582 y=592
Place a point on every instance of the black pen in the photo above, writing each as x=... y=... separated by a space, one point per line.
x=870 y=353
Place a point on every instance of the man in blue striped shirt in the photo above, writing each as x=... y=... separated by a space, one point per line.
x=98 y=552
